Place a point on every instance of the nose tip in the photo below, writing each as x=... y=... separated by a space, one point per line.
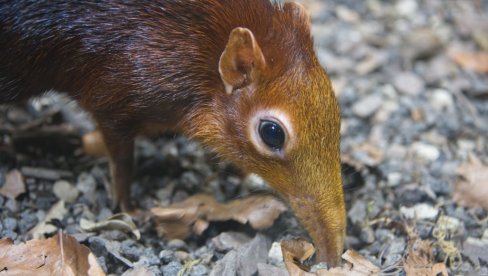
x=324 y=218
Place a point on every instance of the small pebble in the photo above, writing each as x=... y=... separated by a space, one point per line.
x=424 y=151
x=199 y=270
x=172 y=268
x=394 y=179
x=87 y=184
x=230 y=240
x=367 y=235
x=9 y=223
x=408 y=83
x=12 y=205
x=65 y=191
x=357 y=213
x=367 y=106
x=406 y=7
x=166 y=256
x=268 y=270
x=181 y=255
x=420 y=211
x=275 y=255
x=442 y=100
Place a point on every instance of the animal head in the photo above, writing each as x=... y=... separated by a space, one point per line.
x=277 y=116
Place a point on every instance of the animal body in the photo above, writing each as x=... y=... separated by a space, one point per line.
x=241 y=76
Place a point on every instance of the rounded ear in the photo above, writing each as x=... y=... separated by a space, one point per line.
x=241 y=60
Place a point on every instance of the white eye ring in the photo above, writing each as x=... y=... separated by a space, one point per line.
x=273 y=115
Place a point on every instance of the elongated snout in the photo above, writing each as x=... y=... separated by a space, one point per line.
x=323 y=214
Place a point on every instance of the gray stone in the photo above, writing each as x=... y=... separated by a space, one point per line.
x=367 y=106
x=230 y=240
x=422 y=43
x=65 y=191
x=87 y=184
x=394 y=179
x=424 y=152
x=406 y=7
x=199 y=270
x=244 y=259
x=172 y=268
x=441 y=100
x=27 y=221
x=357 y=213
x=275 y=255
x=12 y=205
x=252 y=253
x=166 y=255
x=367 y=235
x=228 y=265
x=139 y=270
x=476 y=250
x=370 y=63
x=8 y=234
x=333 y=63
x=420 y=211
x=267 y=270
x=189 y=180
x=9 y=223
x=408 y=83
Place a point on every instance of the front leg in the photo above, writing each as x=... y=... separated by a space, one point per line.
x=120 y=146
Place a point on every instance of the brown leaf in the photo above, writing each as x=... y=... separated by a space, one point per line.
x=121 y=221
x=194 y=214
x=296 y=251
x=420 y=260
x=360 y=264
x=14 y=185
x=471 y=189
x=299 y=249
x=475 y=61
x=59 y=255
x=356 y=265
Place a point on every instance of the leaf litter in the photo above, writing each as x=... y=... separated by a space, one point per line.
x=193 y=215
x=59 y=255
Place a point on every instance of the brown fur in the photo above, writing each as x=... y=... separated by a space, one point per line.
x=136 y=65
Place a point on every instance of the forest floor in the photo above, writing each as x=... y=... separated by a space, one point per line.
x=411 y=78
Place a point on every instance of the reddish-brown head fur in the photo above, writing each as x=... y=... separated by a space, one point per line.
x=281 y=79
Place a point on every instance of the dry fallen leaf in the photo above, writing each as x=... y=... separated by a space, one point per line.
x=44 y=227
x=59 y=255
x=14 y=185
x=475 y=61
x=296 y=251
x=419 y=260
x=471 y=189
x=122 y=222
x=194 y=214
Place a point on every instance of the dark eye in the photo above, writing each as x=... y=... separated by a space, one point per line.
x=272 y=134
